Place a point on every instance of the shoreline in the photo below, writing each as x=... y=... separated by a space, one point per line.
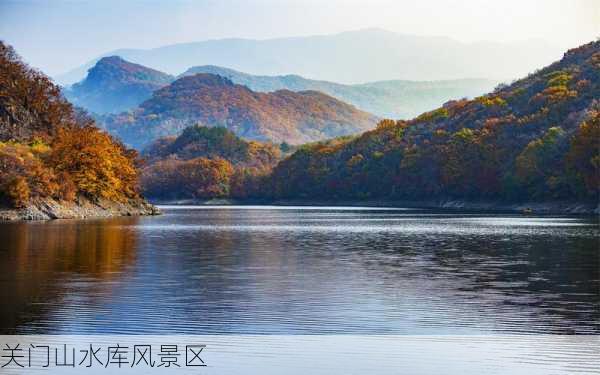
x=562 y=208
x=81 y=208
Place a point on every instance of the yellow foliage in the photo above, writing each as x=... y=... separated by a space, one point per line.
x=18 y=191
x=49 y=150
x=584 y=154
x=491 y=101
x=433 y=115
x=560 y=79
x=558 y=93
x=98 y=166
x=355 y=160
x=386 y=123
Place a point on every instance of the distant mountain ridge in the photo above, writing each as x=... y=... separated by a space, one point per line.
x=211 y=100
x=115 y=85
x=349 y=57
x=392 y=99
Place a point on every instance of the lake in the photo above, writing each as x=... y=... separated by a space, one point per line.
x=301 y=270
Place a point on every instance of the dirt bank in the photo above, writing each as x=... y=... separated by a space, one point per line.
x=81 y=208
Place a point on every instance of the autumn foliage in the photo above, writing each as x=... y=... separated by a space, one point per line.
x=30 y=104
x=536 y=139
x=211 y=100
x=96 y=164
x=24 y=173
x=583 y=158
x=47 y=149
x=198 y=178
x=206 y=162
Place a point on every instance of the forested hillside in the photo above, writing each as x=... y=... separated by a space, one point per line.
x=390 y=99
x=281 y=116
x=47 y=150
x=536 y=139
x=114 y=85
x=206 y=163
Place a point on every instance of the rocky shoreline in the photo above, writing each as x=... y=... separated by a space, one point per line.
x=81 y=208
x=561 y=208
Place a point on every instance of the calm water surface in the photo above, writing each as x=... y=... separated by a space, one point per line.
x=292 y=270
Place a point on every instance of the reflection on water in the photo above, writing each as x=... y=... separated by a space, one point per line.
x=42 y=262
x=298 y=270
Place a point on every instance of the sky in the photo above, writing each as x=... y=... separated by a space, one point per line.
x=58 y=35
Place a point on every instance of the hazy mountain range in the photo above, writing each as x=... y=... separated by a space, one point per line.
x=349 y=57
x=391 y=99
x=114 y=85
x=212 y=100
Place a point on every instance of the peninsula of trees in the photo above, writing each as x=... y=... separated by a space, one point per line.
x=54 y=162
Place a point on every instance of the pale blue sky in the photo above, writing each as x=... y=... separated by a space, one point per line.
x=57 y=35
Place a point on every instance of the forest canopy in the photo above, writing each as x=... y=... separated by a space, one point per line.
x=206 y=162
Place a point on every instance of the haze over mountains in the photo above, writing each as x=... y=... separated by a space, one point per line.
x=535 y=140
x=351 y=57
x=114 y=85
x=392 y=99
x=211 y=100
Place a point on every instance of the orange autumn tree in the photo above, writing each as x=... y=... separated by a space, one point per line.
x=196 y=178
x=23 y=174
x=98 y=166
x=206 y=162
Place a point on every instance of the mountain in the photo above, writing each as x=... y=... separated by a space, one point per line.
x=534 y=140
x=116 y=85
x=205 y=162
x=391 y=99
x=281 y=116
x=350 y=57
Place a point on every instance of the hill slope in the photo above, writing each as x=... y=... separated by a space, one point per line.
x=281 y=116
x=217 y=142
x=114 y=85
x=536 y=139
x=205 y=163
x=390 y=99
x=350 y=57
